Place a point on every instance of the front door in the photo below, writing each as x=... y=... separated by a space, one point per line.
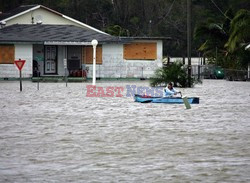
x=50 y=60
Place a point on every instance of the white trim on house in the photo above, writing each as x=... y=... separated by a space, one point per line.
x=247 y=47
x=78 y=22
x=66 y=43
x=22 y=13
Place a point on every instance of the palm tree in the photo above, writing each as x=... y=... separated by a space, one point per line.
x=175 y=72
x=239 y=30
x=214 y=35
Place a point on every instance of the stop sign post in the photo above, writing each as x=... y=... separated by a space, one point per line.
x=20 y=63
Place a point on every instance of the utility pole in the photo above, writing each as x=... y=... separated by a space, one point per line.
x=189 y=6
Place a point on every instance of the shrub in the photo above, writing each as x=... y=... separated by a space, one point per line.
x=176 y=73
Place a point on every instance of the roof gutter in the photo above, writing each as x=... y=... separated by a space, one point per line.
x=21 y=42
x=68 y=43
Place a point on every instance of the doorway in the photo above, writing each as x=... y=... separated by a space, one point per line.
x=50 y=64
x=74 y=61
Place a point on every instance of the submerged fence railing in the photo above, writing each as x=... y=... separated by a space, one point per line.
x=237 y=75
x=208 y=72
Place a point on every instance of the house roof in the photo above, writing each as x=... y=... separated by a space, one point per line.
x=27 y=8
x=52 y=34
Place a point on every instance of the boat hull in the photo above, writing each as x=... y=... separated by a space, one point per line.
x=168 y=100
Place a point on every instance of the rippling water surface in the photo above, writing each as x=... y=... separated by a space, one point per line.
x=57 y=134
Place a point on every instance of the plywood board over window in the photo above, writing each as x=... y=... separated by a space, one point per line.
x=7 y=54
x=88 y=55
x=140 y=51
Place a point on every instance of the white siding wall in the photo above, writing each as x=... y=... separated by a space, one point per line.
x=23 y=52
x=114 y=66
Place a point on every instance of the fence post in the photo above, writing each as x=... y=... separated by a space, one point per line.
x=204 y=60
x=199 y=72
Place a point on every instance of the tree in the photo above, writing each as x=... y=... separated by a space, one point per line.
x=222 y=42
x=163 y=18
x=9 y=5
x=117 y=30
x=239 y=31
x=213 y=36
x=175 y=73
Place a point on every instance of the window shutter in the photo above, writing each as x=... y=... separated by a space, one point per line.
x=88 y=52
x=140 y=51
x=7 y=54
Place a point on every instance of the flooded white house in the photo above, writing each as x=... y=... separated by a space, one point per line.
x=45 y=38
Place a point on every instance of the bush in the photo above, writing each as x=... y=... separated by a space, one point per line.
x=176 y=73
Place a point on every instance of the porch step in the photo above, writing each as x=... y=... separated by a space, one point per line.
x=58 y=79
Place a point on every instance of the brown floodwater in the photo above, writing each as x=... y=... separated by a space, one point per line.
x=57 y=134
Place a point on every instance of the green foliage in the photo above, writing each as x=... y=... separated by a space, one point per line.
x=117 y=30
x=214 y=36
x=134 y=20
x=175 y=73
x=163 y=18
x=223 y=41
x=239 y=31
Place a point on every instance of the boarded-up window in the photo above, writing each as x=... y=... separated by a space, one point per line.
x=88 y=55
x=7 y=54
x=140 y=51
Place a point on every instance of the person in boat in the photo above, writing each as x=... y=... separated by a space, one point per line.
x=170 y=91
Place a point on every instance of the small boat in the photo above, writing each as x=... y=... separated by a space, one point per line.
x=168 y=100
